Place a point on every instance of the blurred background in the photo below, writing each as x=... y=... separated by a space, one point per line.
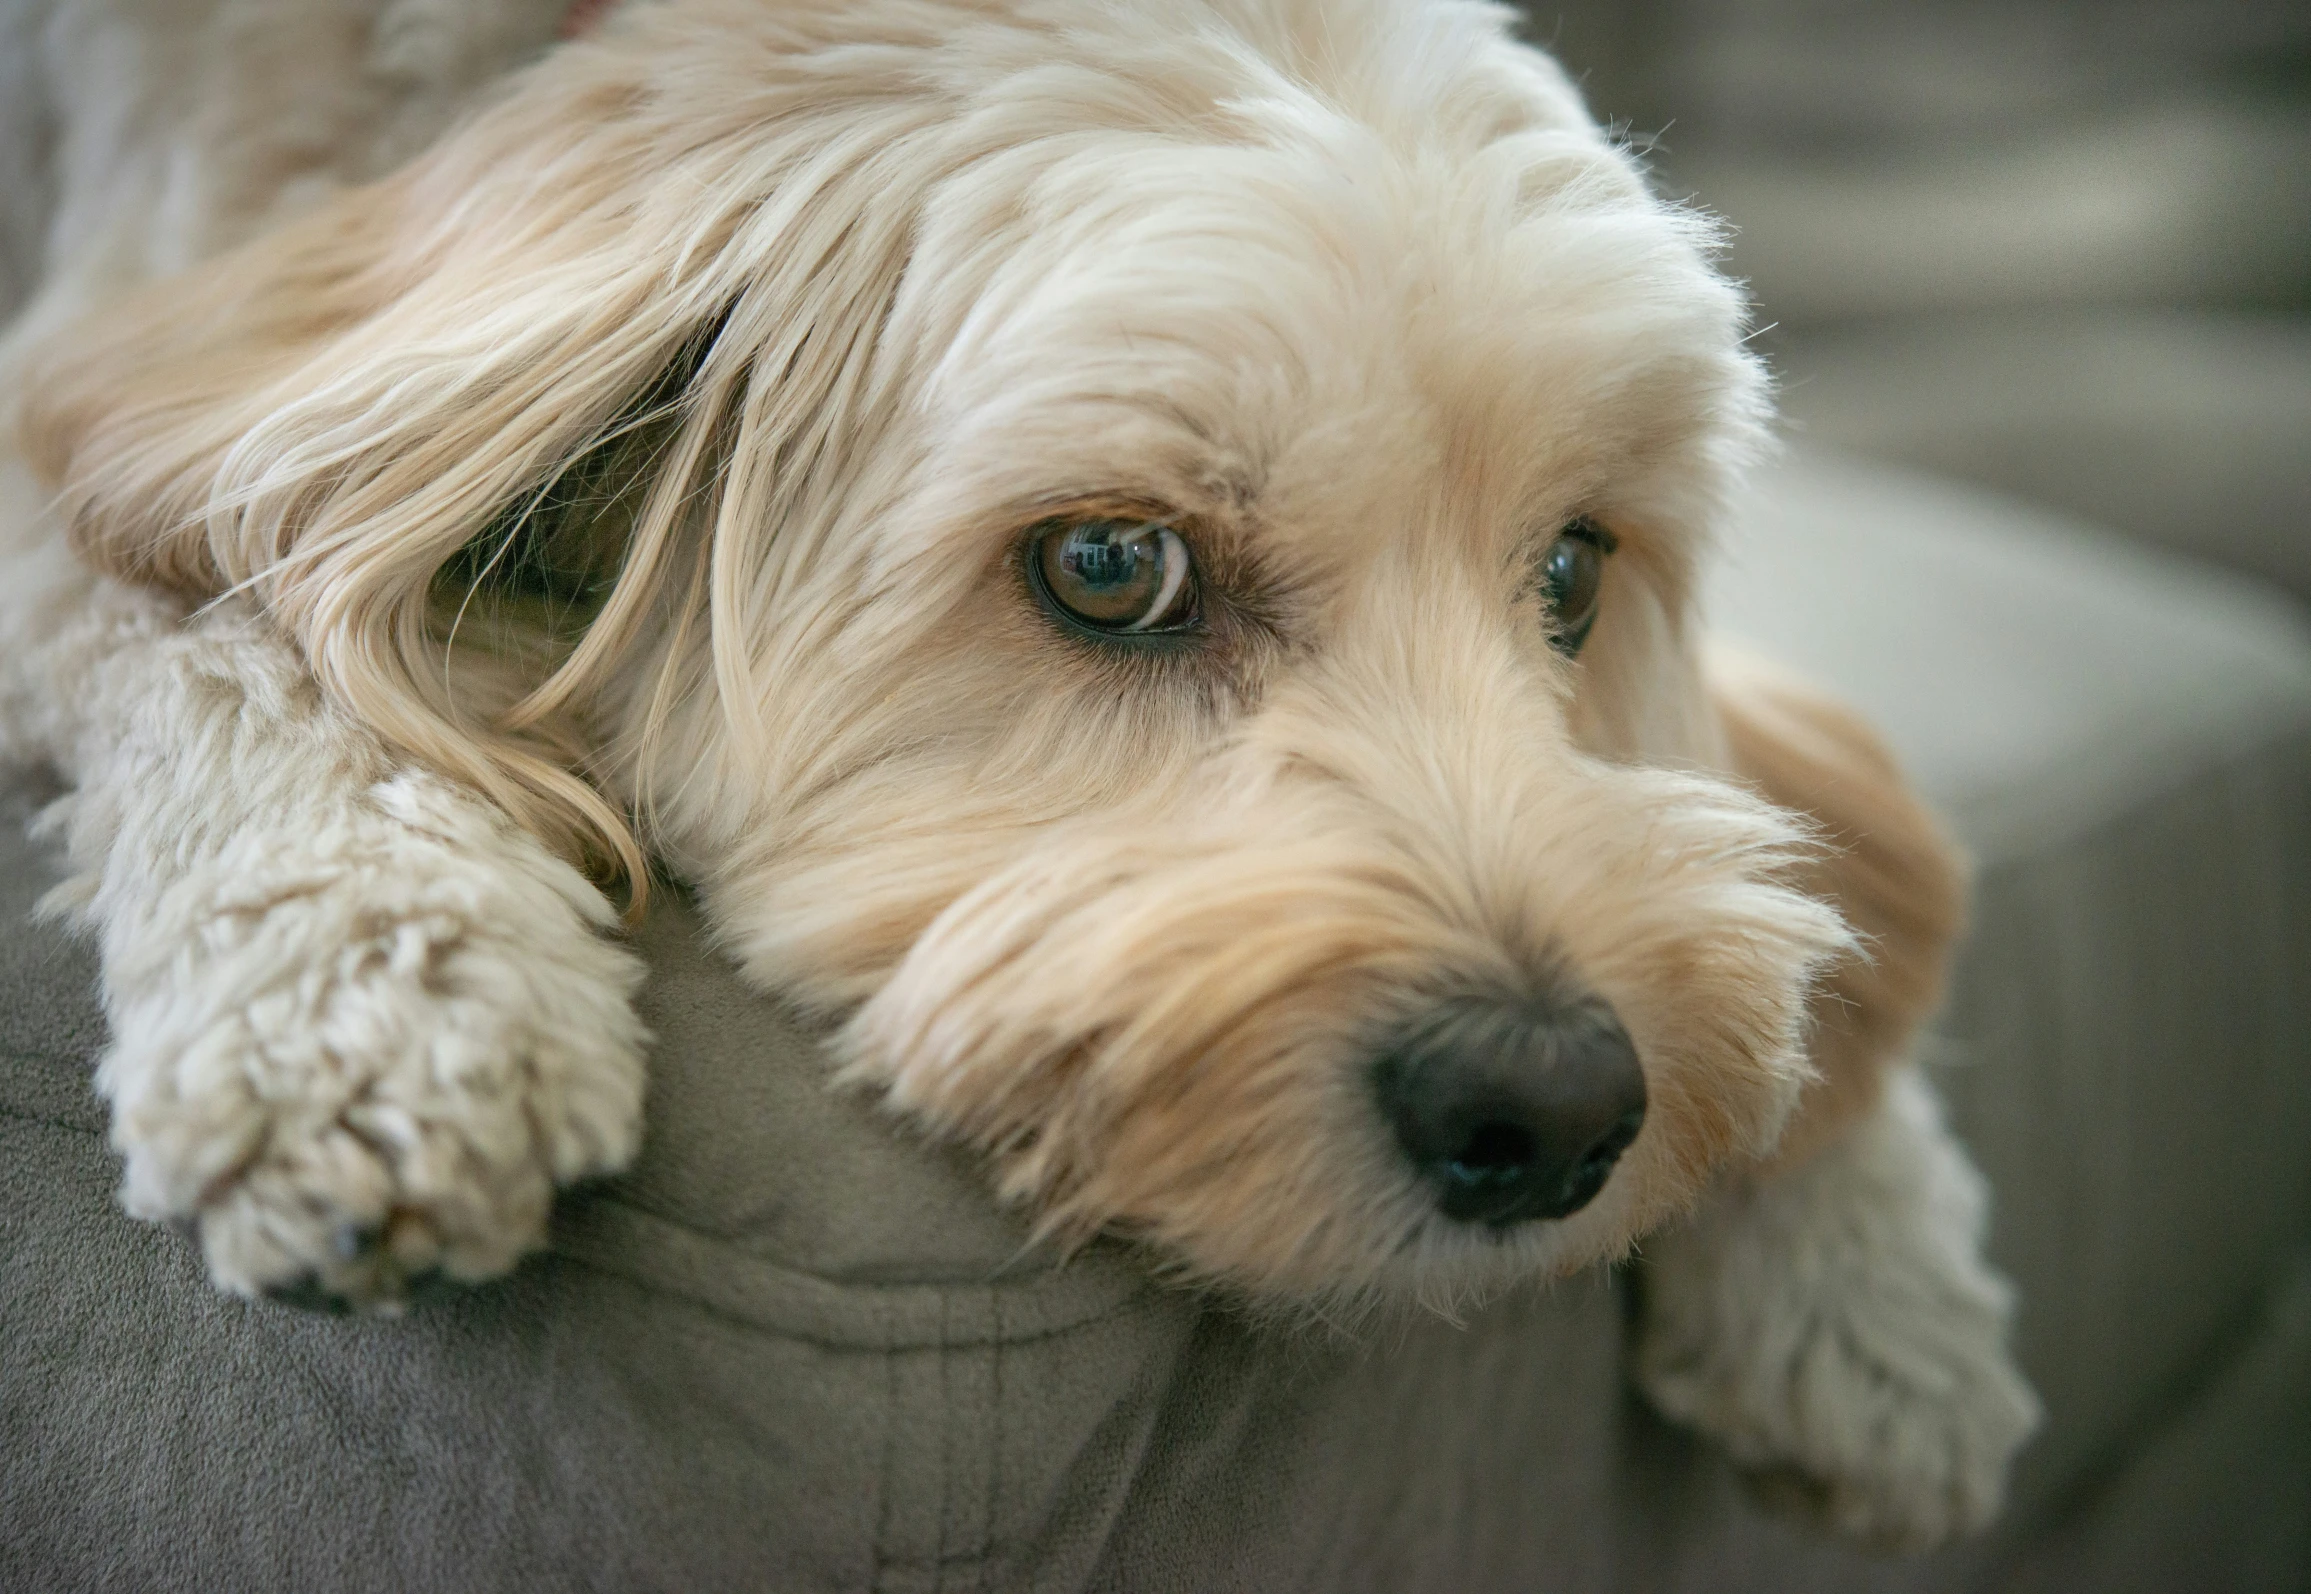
x=2058 y=247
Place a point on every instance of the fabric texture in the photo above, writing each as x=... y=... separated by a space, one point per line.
x=2183 y=428
x=794 y=1349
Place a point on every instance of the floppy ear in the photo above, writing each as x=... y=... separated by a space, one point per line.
x=1889 y=867
x=559 y=311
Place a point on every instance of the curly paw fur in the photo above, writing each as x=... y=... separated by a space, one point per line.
x=363 y=1025
x=369 y=1052
x=1839 y=1333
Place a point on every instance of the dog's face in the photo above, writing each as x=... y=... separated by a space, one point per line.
x=1217 y=761
x=1156 y=589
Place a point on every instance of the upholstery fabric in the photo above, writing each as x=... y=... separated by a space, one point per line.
x=795 y=1350
x=2123 y=740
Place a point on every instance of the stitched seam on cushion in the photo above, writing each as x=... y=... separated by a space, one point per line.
x=975 y=1525
x=796 y=1295
x=994 y=1443
x=860 y=1347
x=947 y=1567
x=880 y=1561
x=610 y=1197
x=947 y=1420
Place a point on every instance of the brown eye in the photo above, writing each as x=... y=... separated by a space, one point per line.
x=1125 y=577
x=1572 y=577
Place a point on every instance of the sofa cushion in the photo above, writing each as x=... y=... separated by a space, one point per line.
x=2123 y=738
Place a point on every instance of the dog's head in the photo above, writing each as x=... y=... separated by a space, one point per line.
x=1144 y=562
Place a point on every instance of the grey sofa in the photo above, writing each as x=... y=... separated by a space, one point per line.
x=793 y=1350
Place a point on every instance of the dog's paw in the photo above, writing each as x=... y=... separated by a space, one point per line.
x=1839 y=1333
x=356 y=1062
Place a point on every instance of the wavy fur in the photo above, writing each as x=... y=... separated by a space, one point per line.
x=646 y=461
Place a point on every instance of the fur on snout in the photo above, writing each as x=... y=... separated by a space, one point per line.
x=1164 y=1019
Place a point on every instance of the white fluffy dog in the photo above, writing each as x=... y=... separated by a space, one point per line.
x=1141 y=557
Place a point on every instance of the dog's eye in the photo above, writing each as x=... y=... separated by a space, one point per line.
x=1123 y=576
x=1572 y=577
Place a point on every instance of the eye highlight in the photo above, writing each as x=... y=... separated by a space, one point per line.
x=1571 y=574
x=1118 y=576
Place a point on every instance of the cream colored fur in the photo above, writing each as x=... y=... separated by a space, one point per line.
x=770 y=326
x=1758 y=1330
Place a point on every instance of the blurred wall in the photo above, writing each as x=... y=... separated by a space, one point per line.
x=2062 y=247
x=26 y=141
x=1888 y=158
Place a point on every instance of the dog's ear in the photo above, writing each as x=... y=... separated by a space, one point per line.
x=1887 y=865
x=620 y=299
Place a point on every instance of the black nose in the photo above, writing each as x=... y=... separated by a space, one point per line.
x=1513 y=1110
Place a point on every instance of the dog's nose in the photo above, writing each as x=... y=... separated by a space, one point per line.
x=1514 y=1111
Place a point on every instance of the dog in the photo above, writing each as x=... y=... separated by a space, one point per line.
x=1141 y=559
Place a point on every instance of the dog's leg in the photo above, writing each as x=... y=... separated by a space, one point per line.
x=1837 y=1329
x=362 y=1025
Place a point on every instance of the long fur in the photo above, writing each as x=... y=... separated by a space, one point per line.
x=647 y=461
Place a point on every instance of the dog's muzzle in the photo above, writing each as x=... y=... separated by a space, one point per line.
x=1513 y=1110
